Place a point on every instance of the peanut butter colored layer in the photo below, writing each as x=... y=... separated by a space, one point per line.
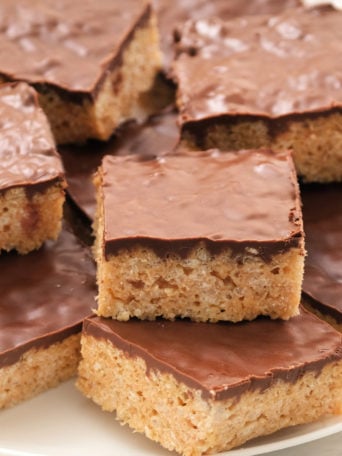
x=220 y=359
x=266 y=66
x=28 y=156
x=240 y=200
x=67 y=44
x=322 y=212
x=45 y=295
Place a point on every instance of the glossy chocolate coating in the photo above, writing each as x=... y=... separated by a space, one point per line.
x=67 y=44
x=174 y=13
x=158 y=135
x=45 y=295
x=225 y=359
x=262 y=66
x=240 y=200
x=322 y=213
x=27 y=150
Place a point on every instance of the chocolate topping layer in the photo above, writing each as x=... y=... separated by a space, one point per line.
x=174 y=13
x=68 y=44
x=220 y=359
x=45 y=295
x=27 y=150
x=240 y=200
x=159 y=134
x=268 y=66
x=322 y=212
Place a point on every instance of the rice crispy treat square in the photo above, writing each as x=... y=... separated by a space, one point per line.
x=205 y=235
x=45 y=295
x=31 y=172
x=91 y=62
x=200 y=388
x=265 y=81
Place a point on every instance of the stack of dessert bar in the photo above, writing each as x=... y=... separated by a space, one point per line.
x=47 y=284
x=191 y=244
x=200 y=338
x=89 y=69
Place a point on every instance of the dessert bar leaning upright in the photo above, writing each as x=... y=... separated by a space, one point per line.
x=45 y=295
x=322 y=284
x=265 y=81
x=31 y=172
x=206 y=235
x=91 y=61
x=201 y=388
x=159 y=133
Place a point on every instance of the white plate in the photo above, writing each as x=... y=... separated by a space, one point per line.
x=336 y=3
x=63 y=422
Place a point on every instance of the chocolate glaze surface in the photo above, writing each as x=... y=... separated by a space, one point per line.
x=239 y=199
x=268 y=66
x=158 y=135
x=174 y=13
x=322 y=212
x=45 y=295
x=68 y=44
x=28 y=156
x=220 y=359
